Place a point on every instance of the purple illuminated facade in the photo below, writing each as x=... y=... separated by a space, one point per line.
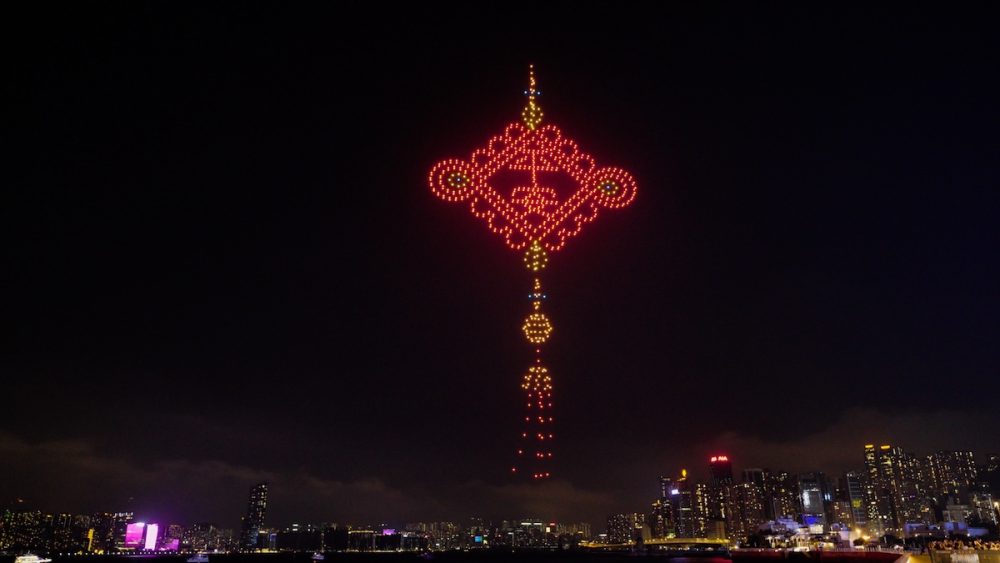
x=152 y=531
x=172 y=544
x=133 y=534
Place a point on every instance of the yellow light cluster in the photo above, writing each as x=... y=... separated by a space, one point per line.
x=535 y=258
x=537 y=380
x=537 y=328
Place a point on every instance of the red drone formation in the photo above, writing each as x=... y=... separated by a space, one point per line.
x=533 y=217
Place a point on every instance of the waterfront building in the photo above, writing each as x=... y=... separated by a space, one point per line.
x=101 y=534
x=746 y=512
x=152 y=534
x=661 y=523
x=577 y=529
x=719 y=502
x=699 y=511
x=120 y=522
x=254 y=520
x=300 y=537
x=172 y=537
x=202 y=537
x=626 y=528
x=134 y=532
x=361 y=540
x=688 y=504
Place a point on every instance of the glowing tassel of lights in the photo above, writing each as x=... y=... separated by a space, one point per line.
x=533 y=217
x=538 y=420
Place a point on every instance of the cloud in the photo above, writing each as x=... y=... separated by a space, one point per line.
x=74 y=476
x=832 y=448
x=77 y=476
x=840 y=445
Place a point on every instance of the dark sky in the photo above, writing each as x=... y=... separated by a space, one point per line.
x=222 y=261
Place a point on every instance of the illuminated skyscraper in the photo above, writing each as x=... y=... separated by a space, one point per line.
x=853 y=492
x=782 y=495
x=878 y=490
x=721 y=469
x=661 y=520
x=120 y=522
x=254 y=519
x=626 y=528
x=757 y=476
x=895 y=490
x=951 y=473
x=719 y=501
x=811 y=498
x=746 y=510
x=688 y=504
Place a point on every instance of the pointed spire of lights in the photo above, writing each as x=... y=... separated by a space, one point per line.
x=531 y=115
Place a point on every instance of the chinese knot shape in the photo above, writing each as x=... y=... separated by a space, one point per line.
x=533 y=212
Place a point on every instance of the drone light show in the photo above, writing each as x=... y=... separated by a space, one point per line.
x=510 y=184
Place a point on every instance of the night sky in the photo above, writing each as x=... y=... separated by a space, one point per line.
x=223 y=264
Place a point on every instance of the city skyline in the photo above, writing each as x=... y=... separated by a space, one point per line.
x=224 y=265
x=944 y=472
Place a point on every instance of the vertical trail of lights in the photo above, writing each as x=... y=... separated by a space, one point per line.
x=537 y=219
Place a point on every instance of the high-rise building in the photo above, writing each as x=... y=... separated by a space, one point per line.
x=666 y=485
x=202 y=536
x=951 y=472
x=746 y=512
x=880 y=508
x=120 y=522
x=133 y=535
x=688 y=504
x=757 y=476
x=683 y=507
x=721 y=470
x=812 y=489
x=783 y=496
x=719 y=501
x=991 y=474
x=852 y=491
x=626 y=528
x=254 y=519
x=699 y=510
x=172 y=537
x=913 y=496
x=896 y=490
x=981 y=501
x=661 y=518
